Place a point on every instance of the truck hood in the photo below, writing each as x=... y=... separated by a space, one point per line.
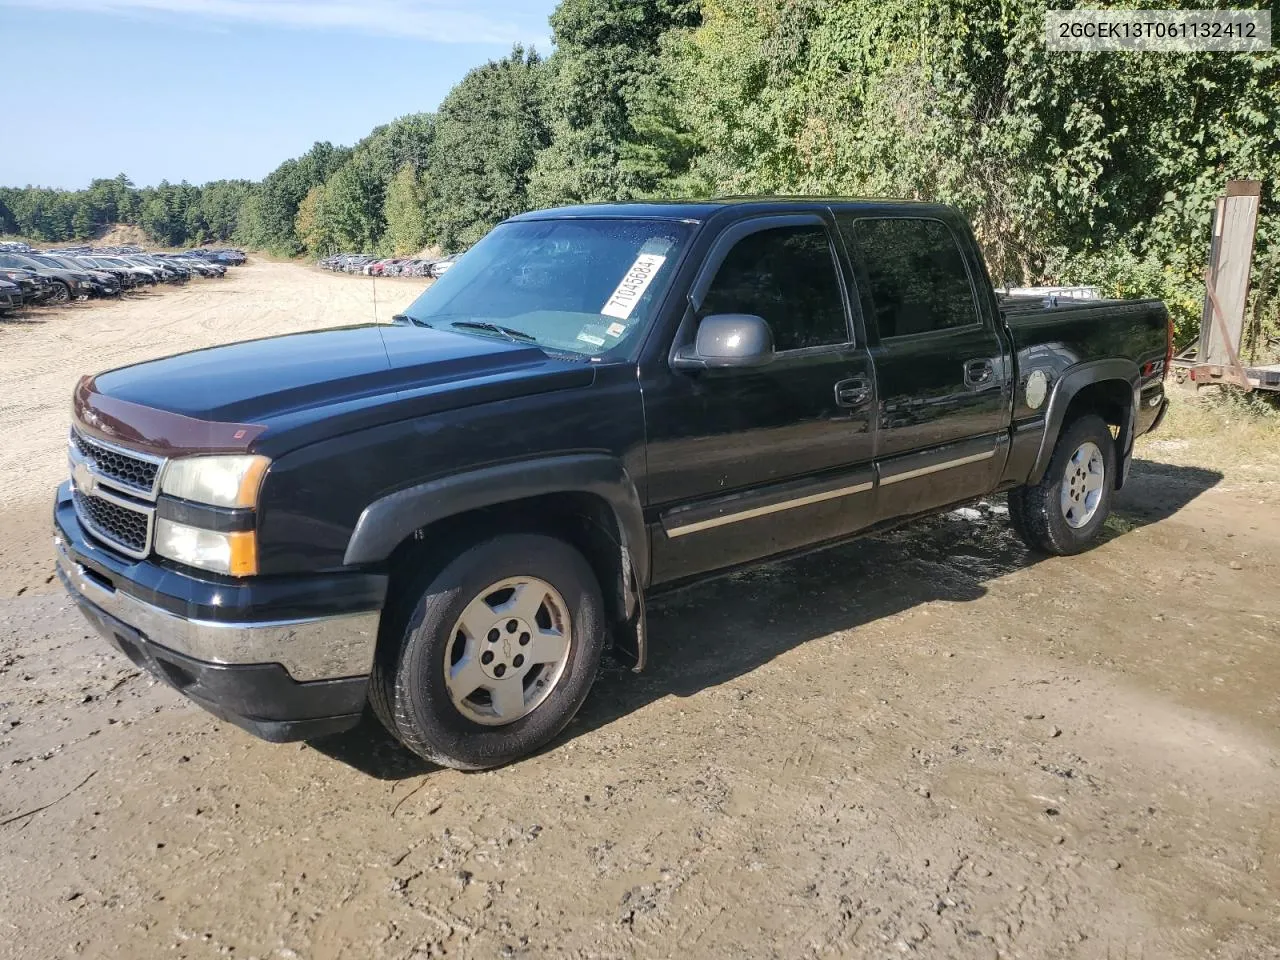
x=287 y=379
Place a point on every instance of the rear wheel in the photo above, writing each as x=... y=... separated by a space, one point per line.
x=496 y=656
x=1064 y=513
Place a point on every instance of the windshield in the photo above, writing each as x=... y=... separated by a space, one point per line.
x=577 y=286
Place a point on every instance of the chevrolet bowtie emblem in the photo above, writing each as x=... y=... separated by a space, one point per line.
x=83 y=479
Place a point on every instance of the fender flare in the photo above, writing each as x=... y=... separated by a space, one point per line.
x=1072 y=381
x=386 y=522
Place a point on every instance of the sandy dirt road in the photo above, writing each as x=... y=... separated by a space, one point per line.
x=926 y=744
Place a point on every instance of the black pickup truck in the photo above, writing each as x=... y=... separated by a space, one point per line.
x=452 y=517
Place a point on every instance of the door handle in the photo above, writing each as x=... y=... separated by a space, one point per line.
x=978 y=372
x=853 y=392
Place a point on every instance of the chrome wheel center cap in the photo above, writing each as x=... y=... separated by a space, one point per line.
x=504 y=650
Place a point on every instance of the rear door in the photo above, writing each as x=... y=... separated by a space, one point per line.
x=940 y=365
x=752 y=462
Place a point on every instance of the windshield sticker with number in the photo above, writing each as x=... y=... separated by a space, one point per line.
x=633 y=286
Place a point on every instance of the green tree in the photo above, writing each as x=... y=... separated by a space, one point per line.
x=489 y=131
x=310 y=224
x=406 y=212
x=351 y=212
x=272 y=222
x=606 y=51
x=1074 y=168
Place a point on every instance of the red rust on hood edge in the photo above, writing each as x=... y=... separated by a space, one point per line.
x=156 y=431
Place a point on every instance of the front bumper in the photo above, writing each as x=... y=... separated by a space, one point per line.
x=252 y=659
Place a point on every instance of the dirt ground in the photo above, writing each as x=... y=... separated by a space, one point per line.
x=930 y=743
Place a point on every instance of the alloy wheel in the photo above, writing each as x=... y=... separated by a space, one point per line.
x=508 y=650
x=1082 y=485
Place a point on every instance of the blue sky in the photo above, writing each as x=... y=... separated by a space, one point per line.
x=206 y=89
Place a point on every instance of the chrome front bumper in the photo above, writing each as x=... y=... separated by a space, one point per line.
x=321 y=648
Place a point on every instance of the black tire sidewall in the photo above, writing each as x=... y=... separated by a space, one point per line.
x=426 y=718
x=1086 y=429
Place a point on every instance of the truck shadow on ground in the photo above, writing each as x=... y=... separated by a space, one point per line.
x=721 y=630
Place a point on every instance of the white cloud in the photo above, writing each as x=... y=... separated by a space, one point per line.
x=443 y=21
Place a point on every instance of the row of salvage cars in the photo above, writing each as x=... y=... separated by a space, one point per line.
x=30 y=277
x=374 y=266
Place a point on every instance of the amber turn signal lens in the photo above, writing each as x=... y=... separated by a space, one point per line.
x=244 y=553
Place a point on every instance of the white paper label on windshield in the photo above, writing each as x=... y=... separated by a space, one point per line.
x=633 y=286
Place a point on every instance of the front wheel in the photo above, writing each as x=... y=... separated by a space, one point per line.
x=496 y=656
x=61 y=293
x=1064 y=513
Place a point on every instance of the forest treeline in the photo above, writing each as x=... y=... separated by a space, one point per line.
x=1098 y=168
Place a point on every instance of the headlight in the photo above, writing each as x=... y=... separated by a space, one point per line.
x=235 y=554
x=219 y=481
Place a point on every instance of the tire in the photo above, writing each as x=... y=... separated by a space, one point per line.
x=61 y=293
x=409 y=691
x=1018 y=515
x=1061 y=524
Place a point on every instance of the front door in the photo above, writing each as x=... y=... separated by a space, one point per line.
x=748 y=463
x=940 y=365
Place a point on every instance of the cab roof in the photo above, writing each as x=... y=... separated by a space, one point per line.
x=700 y=210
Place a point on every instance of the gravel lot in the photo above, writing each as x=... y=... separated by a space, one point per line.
x=928 y=743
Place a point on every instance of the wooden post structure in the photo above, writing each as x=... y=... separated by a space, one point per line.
x=1226 y=286
x=1235 y=224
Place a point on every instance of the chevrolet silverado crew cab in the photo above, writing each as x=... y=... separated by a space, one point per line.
x=453 y=516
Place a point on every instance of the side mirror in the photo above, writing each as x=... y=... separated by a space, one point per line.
x=727 y=340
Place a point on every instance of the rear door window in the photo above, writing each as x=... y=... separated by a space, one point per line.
x=916 y=279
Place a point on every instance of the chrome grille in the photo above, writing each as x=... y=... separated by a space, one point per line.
x=132 y=471
x=126 y=528
x=114 y=493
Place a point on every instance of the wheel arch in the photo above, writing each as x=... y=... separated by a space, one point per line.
x=1108 y=388
x=587 y=499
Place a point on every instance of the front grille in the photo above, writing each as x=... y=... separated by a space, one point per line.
x=114 y=493
x=114 y=523
x=130 y=471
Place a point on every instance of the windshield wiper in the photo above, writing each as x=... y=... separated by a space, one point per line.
x=515 y=336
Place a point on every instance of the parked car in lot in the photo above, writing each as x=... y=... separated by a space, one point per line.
x=440 y=267
x=10 y=296
x=452 y=517
x=204 y=268
x=141 y=273
x=101 y=283
x=32 y=287
x=167 y=272
x=65 y=284
x=128 y=277
x=225 y=256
